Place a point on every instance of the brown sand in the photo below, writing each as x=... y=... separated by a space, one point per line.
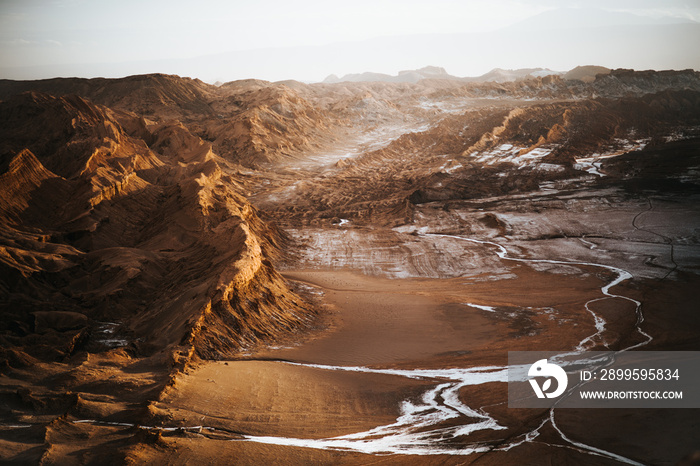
x=386 y=323
x=278 y=399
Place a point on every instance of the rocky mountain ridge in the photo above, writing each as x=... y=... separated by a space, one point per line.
x=103 y=226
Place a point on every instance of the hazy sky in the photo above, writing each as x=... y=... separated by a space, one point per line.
x=36 y=33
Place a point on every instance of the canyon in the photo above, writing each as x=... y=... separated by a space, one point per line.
x=334 y=273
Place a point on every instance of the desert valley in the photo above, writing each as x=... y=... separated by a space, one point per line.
x=334 y=273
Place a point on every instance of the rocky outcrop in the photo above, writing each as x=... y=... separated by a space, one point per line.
x=156 y=96
x=150 y=234
x=586 y=74
x=248 y=122
x=264 y=125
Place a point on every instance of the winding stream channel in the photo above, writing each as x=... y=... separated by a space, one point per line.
x=419 y=431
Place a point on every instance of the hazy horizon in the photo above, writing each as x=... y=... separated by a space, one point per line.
x=309 y=40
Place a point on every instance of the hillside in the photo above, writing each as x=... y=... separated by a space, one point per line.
x=102 y=226
x=247 y=123
x=335 y=272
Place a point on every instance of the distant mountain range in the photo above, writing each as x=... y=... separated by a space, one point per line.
x=498 y=75
x=407 y=76
x=557 y=39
